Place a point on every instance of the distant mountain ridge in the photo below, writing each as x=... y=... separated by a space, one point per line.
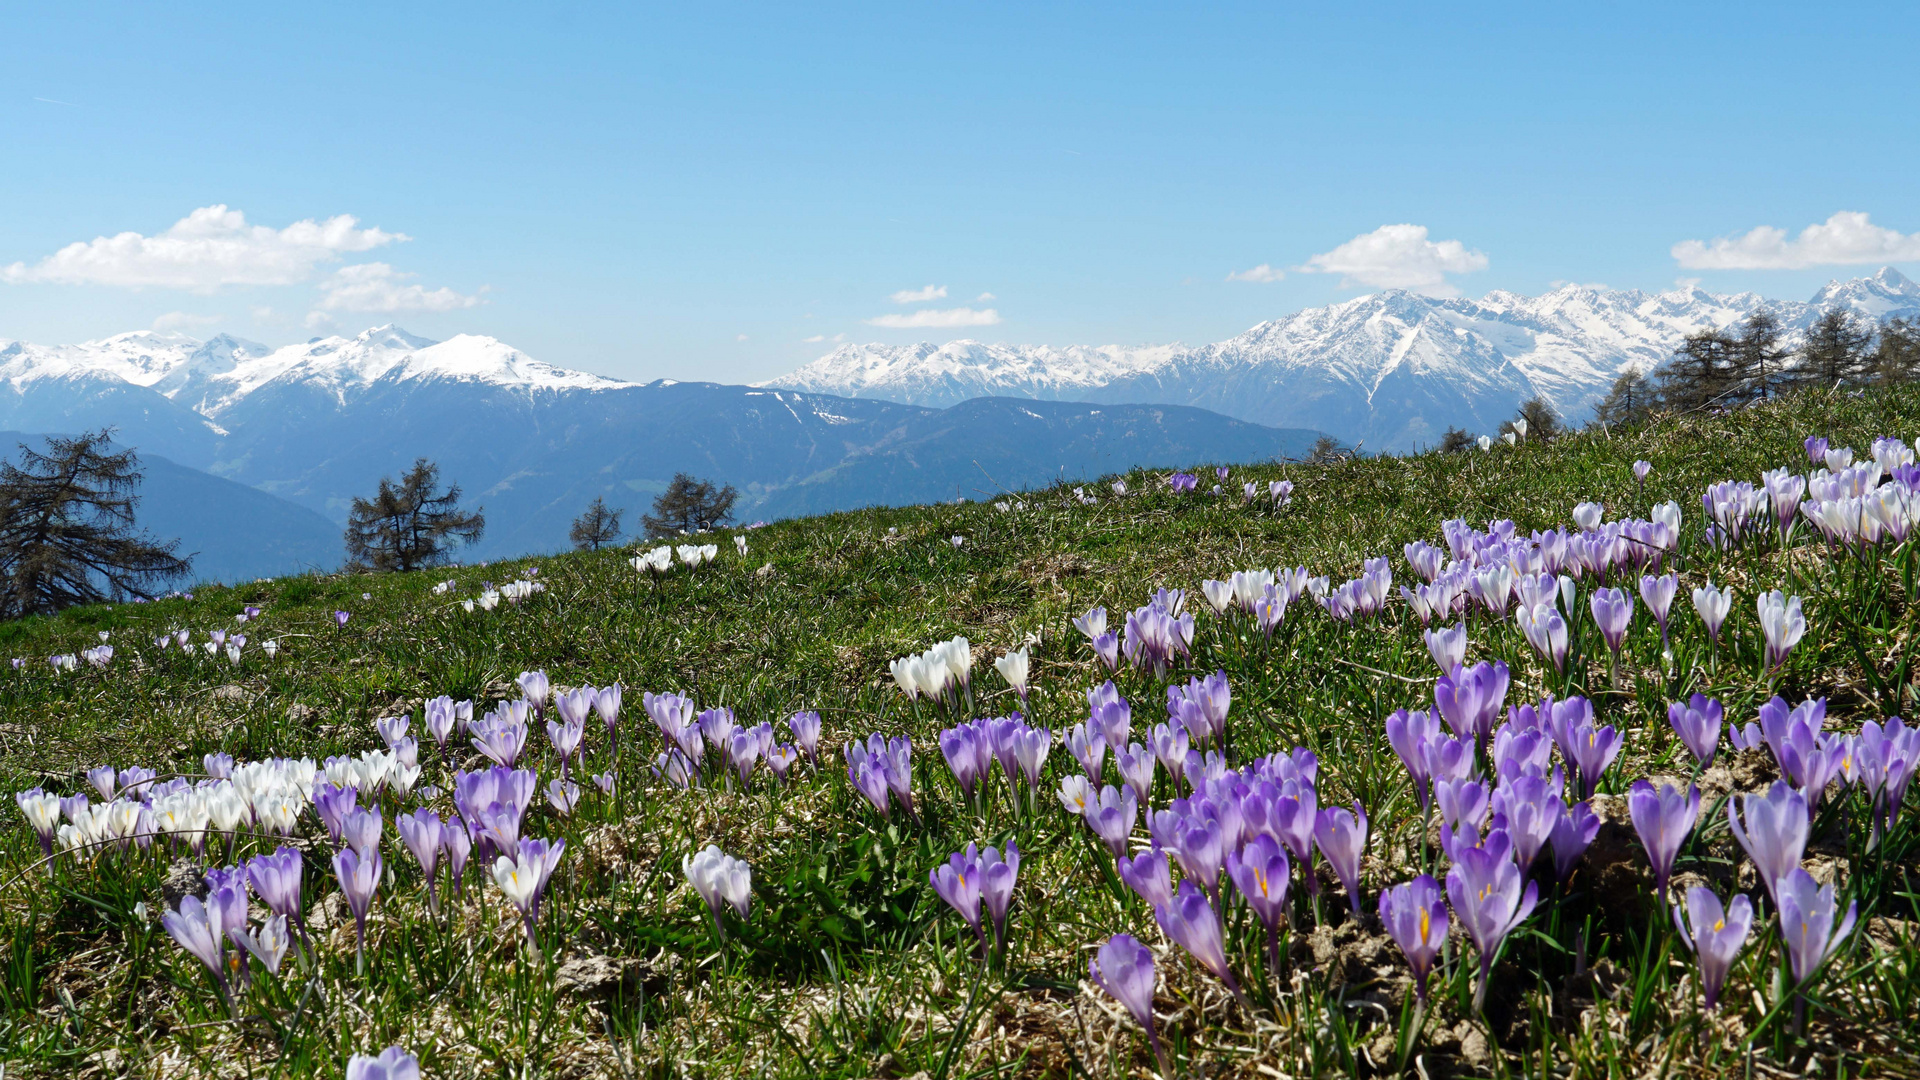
x=319 y=423
x=1391 y=369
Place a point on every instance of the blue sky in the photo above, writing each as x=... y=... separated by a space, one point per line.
x=694 y=191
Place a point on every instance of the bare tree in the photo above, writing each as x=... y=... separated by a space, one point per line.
x=1455 y=440
x=597 y=527
x=410 y=524
x=1543 y=424
x=1630 y=401
x=67 y=529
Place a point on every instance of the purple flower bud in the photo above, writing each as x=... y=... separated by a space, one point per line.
x=1697 y=722
x=1613 y=614
x=424 y=835
x=1409 y=733
x=393 y=1063
x=1816 y=448
x=1416 y=917
x=1807 y=911
x=199 y=929
x=1663 y=818
x=340 y=618
x=1136 y=765
x=1716 y=938
x=806 y=733
x=359 y=878
x=1470 y=699
x=998 y=877
x=1529 y=809
x=1190 y=922
x=1147 y=875
x=276 y=878
x=1448 y=646
x=1124 y=968
x=1113 y=817
x=1775 y=832
x=361 y=830
x=1571 y=835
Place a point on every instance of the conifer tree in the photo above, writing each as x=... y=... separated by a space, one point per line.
x=1896 y=357
x=597 y=527
x=1630 y=400
x=1837 y=351
x=689 y=505
x=411 y=524
x=67 y=531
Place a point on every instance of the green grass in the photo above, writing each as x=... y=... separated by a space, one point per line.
x=849 y=965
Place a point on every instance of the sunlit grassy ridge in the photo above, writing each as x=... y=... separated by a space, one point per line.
x=849 y=964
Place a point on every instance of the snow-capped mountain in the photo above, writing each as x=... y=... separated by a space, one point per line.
x=320 y=423
x=1392 y=370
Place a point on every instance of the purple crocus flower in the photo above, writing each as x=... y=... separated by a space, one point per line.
x=276 y=879
x=1030 y=750
x=1613 y=614
x=1571 y=835
x=1201 y=846
x=1658 y=593
x=1716 y=937
x=1807 y=911
x=958 y=881
x=1470 y=699
x=1408 y=733
x=1260 y=872
x=498 y=737
x=334 y=804
x=458 y=845
x=1147 y=875
x=1342 y=838
x=1124 y=968
x=200 y=929
x=424 y=835
x=961 y=746
x=997 y=878
x=1136 y=765
x=806 y=733
x=1640 y=471
x=1112 y=818
x=361 y=830
x=899 y=759
x=1816 y=447
x=359 y=878
x=743 y=751
x=1697 y=721
x=868 y=773
x=1485 y=887
x=1775 y=832
x=1663 y=818
x=1529 y=809
x=563 y=796
x=1107 y=647
x=393 y=1063
x=1416 y=917
x=1190 y=922
x=340 y=618
x=1461 y=802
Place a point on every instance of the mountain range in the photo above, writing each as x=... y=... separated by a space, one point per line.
x=1391 y=371
x=316 y=424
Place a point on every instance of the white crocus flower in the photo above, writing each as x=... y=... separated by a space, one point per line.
x=1013 y=668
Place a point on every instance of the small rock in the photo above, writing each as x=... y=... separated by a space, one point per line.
x=329 y=913
x=1890 y=934
x=300 y=715
x=1753 y=770
x=1715 y=782
x=231 y=692
x=765 y=571
x=184 y=878
x=1473 y=1047
x=593 y=976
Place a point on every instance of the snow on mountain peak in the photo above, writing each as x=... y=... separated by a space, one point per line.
x=1393 y=367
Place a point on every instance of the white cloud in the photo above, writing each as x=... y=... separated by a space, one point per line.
x=984 y=297
x=919 y=296
x=933 y=317
x=739 y=337
x=377 y=287
x=1845 y=239
x=184 y=320
x=1398 y=257
x=1261 y=273
x=211 y=247
x=261 y=313
x=813 y=339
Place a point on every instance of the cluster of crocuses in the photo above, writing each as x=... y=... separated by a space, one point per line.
x=264 y=798
x=971 y=749
x=1848 y=504
x=1280 y=491
x=1261 y=595
x=943 y=675
x=1180 y=483
x=736 y=750
x=1154 y=634
x=1252 y=827
x=1880 y=760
